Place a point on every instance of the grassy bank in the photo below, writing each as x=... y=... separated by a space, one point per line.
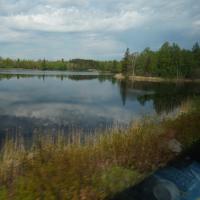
x=94 y=167
x=154 y=79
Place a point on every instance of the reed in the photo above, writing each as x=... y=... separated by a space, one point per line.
x=94 y=166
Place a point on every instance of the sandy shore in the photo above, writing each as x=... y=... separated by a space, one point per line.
x=153 y=79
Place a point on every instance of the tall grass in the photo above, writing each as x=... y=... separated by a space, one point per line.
x=93 y=167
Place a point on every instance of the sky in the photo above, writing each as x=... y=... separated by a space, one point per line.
x=95 y=29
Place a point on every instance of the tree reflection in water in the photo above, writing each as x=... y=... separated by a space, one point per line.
x=165 y=96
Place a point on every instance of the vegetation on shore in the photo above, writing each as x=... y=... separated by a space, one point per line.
x=169 y=61
x=94 y=167
x=71 y=65
x=121 y=76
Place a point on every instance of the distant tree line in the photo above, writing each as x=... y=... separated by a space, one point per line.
x=73 y=65
x=169 y=61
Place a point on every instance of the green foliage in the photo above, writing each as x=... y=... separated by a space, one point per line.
x=146 y=63
x=169 y=61
x=115 y=179
x=126 y=62
x=74 y=65
x=3 y=193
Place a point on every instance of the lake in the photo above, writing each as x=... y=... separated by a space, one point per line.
x=48 y=101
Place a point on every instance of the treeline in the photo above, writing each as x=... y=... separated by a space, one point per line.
x=32 y=64
x=169 y=61
x=82 y=64
x=74 y=64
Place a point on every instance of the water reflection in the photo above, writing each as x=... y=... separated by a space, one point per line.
x=50 y=102
x=165 y=96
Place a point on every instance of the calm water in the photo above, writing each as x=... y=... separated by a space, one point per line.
x=48 y=101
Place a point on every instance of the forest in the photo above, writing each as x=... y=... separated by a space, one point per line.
x=170 y=61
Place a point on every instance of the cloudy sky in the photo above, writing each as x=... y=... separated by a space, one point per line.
x=99 y=29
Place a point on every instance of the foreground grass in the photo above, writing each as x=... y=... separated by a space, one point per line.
x=94 y=167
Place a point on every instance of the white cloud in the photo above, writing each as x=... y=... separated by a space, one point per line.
x=115 y=24
x=9 y=35
x=101 y=45
x=68 y=2
x=197 y=23
x=73 y=19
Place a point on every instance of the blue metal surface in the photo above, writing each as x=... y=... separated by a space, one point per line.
x=186 y=179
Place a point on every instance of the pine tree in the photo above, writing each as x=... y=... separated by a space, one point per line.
x=196 y=54
x=126 y=62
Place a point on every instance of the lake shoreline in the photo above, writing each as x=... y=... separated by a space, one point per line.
x=154 y=79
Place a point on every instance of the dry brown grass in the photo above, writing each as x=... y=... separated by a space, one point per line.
x=93 y=167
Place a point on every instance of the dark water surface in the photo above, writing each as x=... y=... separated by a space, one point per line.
x=48 y=101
